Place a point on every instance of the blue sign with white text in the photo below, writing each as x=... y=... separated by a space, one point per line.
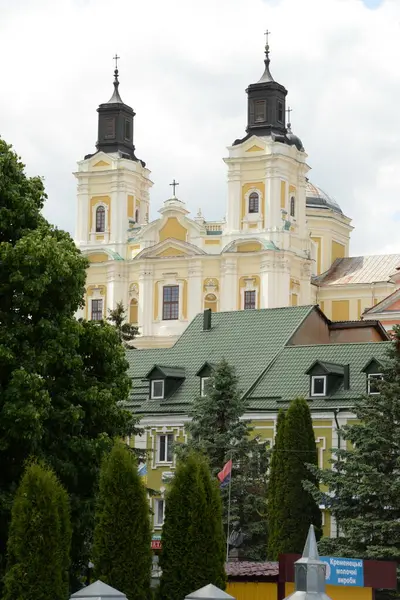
x=344 y=571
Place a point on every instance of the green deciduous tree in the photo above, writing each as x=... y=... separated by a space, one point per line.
x=193 y=541
x=61 y=380
x=121 y=552
x=218 y=431
x=293 y=508
x=364 y=486
x=126 y=331
x=40 y=537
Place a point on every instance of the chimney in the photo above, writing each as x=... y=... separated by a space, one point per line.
x=207 y=319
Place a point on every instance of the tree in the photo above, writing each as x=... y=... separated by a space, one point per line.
x=275 y=496
x=364 y=484
x=126 y=331
x=40 y=537
x=62 y=381
x=293 y=508
x=218 y=431
x=193 y=542
x=121 y=551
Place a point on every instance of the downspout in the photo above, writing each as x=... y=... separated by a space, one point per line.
x=339 y=442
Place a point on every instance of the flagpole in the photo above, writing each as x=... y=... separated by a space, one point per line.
x=229 y=514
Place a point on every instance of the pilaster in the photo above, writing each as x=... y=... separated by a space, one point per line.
x=195 y=292
x=146 y=300
x=229 y=284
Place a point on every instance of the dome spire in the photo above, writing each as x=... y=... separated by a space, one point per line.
x=115 y=98
x=266 y=77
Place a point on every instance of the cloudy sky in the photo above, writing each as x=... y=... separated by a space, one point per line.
x=184 y=68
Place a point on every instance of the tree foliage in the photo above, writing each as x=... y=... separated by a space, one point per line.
x=364 y=485
x=193 y=541
x=121 y=552
x=126 y=331
x=40 y=538
x=218 y=431
x=293 y=508
x=61 y=380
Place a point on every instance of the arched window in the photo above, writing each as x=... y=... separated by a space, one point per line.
x=292 y=207
x=253 y=202
x=100 y=219
x=137 y=215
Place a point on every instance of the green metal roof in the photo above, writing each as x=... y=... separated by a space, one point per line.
x=248 y=339
x=287 y=377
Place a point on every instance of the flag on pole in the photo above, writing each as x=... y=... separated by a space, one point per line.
x=224 y=476
x=142 y=470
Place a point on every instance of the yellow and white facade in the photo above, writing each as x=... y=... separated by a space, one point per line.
x=280 y=232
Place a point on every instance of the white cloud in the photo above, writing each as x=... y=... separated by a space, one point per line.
x=184 y=68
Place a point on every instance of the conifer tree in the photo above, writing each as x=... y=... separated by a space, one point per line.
x=122 y=536
x=126 y=331
x=193 y=542
x=218 y=431
x=364 y=484
x=39 y=540
x=275 y=496
x=293 y=507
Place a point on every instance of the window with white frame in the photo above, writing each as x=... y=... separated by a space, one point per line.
x=100 y=219
x=170 y=302
x=96 y=313
x=318 y=385
x=157 y=389
x=254 y=202
x=204 y=383
x=165 y=448
x=372 y=380
x=249 y=299
x=159 y=512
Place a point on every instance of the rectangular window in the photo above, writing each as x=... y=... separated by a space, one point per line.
x=157 y=389
x=170 y=302
x=159 y=512
x=280 y=112
x=165 y=448
x=109 y=128
x=373 y=379
x=260 y=111
x=249 y=299
x=318 y=385
x=204 y=383
x=128 y=130
x=97 y=310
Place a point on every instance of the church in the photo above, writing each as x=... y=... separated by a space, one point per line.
x=283 y=242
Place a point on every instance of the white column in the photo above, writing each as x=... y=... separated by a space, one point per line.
x=195 y=292
x=234 y=198
x=82 y=233
x=266 y=289
x=146 y=300
x=229 y=285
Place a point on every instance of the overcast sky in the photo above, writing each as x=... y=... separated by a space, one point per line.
x=184 y=68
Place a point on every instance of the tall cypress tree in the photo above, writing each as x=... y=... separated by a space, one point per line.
x=193 y=541
x=291 y=507
x=364 y=484
x=40 y=537
x=122 y=536
x=218 y=431
x=300 y=449
x=275 y=497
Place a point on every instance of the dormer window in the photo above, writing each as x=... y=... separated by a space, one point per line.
x=204 y=383
x=318 y=385
x=157 y=389
x=326 y=378
x=373 y=370
x=372 y=380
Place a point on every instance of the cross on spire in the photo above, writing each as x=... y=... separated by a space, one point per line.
x=288 y=111
x=174 y=184
x=116 y=58
x=267 y=33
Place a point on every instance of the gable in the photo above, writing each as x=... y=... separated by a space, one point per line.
x=255 y=148
x=173 y=229
x=171 y=251
x=101 y=163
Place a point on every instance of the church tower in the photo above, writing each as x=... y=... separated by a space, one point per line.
x=113 y=184
x=267 y=193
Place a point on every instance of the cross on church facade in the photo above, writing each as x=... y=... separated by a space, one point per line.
x=116 y=58
x=174 y=184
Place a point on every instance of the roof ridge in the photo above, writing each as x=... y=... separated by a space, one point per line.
x=346 y=344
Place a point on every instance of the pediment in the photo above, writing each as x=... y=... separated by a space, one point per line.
x=390 y=304
x=255 y=148
x=170 y=248
x=101 y=163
